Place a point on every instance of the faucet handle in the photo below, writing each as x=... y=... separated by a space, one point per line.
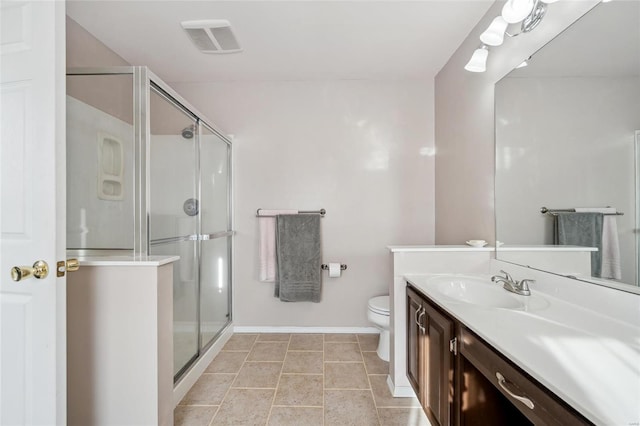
x=524 y=284
x=507 y=275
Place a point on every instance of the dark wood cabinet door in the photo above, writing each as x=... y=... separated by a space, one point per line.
x=429 y=361
x=438 y=366
x=414 y=307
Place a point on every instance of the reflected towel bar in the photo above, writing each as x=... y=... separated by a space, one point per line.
x=321 y=212
x=545 y=210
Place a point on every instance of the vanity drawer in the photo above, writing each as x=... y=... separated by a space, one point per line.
x=537 y=403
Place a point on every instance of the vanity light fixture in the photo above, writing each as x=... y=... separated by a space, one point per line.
x=515 y=11
x=478 y=61
x=528 y=13
x=494 y=35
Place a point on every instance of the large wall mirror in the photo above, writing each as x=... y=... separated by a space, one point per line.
x=568 y=140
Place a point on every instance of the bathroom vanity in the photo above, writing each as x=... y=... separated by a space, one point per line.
x=477 y=352
x=461 y=379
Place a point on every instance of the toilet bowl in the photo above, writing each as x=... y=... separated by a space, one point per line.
x=378 y=314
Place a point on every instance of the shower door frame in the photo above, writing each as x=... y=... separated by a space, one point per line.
x=636 y=146
x=143 y=81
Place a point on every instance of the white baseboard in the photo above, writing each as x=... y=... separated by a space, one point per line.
x=319 y=330
x=188 y=380
x=400 y=391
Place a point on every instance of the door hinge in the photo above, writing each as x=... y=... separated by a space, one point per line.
x=453 y=345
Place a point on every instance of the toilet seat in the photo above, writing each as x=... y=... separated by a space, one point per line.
x=379 y=305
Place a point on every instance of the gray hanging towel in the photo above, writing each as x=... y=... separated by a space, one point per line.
x=298 y=255
x=581 y=229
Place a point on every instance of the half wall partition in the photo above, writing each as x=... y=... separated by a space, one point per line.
x=149 y=175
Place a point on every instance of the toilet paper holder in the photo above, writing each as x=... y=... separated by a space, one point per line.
x=325 y=267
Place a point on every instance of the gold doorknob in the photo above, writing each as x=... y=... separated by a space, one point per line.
x=69 y=265
x=40 y=270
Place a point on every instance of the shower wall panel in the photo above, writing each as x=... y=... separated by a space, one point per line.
x=88 y=215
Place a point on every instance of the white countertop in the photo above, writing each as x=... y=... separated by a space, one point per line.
x=590 y=360
x=503 y=248
x=553 y=248
x=398 y=249
x=126 y=260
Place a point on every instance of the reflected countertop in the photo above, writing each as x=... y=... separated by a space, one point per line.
x=502 y=248
x=426 y=248
x=553 y=248
x=588 y=358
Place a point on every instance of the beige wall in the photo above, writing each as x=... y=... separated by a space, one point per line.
x=110 y=94
x=363 y=150
x=84 y=50
x=464 y=124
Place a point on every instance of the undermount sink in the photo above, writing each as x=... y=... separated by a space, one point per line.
x=482 y=292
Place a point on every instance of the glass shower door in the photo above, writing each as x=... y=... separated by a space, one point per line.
x=215 y=256
x=173 y=219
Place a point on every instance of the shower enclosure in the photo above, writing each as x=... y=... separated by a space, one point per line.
x=149 y=175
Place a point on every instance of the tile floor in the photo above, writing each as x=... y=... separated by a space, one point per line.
x=297 y=379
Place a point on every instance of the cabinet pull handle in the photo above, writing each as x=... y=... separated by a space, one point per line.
x=424 y=311
x=524 y=400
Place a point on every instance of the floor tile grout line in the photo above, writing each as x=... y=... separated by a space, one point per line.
x=275 y=392
x=198 y=405
x=251 y=388
x=297 y=406
x=348 y=389
x=217 y=374
x=323 y=383
x=373 y=396
x=301 y=374
x=230 y=386
x=212 y=417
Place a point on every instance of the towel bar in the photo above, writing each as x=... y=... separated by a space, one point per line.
x=544 y=210
x=321 y=212
x=325 y=267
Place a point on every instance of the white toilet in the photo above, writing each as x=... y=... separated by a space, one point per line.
x=378 y=313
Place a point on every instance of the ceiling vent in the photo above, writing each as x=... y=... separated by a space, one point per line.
x=212 y=36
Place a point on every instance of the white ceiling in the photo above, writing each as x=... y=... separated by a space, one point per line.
x=287 y=40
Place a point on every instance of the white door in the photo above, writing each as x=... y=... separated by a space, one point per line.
x=32 y=211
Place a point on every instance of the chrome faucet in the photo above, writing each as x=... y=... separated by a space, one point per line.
x=514 y=286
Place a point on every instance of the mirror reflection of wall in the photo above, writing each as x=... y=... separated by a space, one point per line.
x=565 y=138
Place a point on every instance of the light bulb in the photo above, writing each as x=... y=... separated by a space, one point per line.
x=553 y=1
x=523 y=64
x=494 y=35
x=478 y=61
x=515 y=11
